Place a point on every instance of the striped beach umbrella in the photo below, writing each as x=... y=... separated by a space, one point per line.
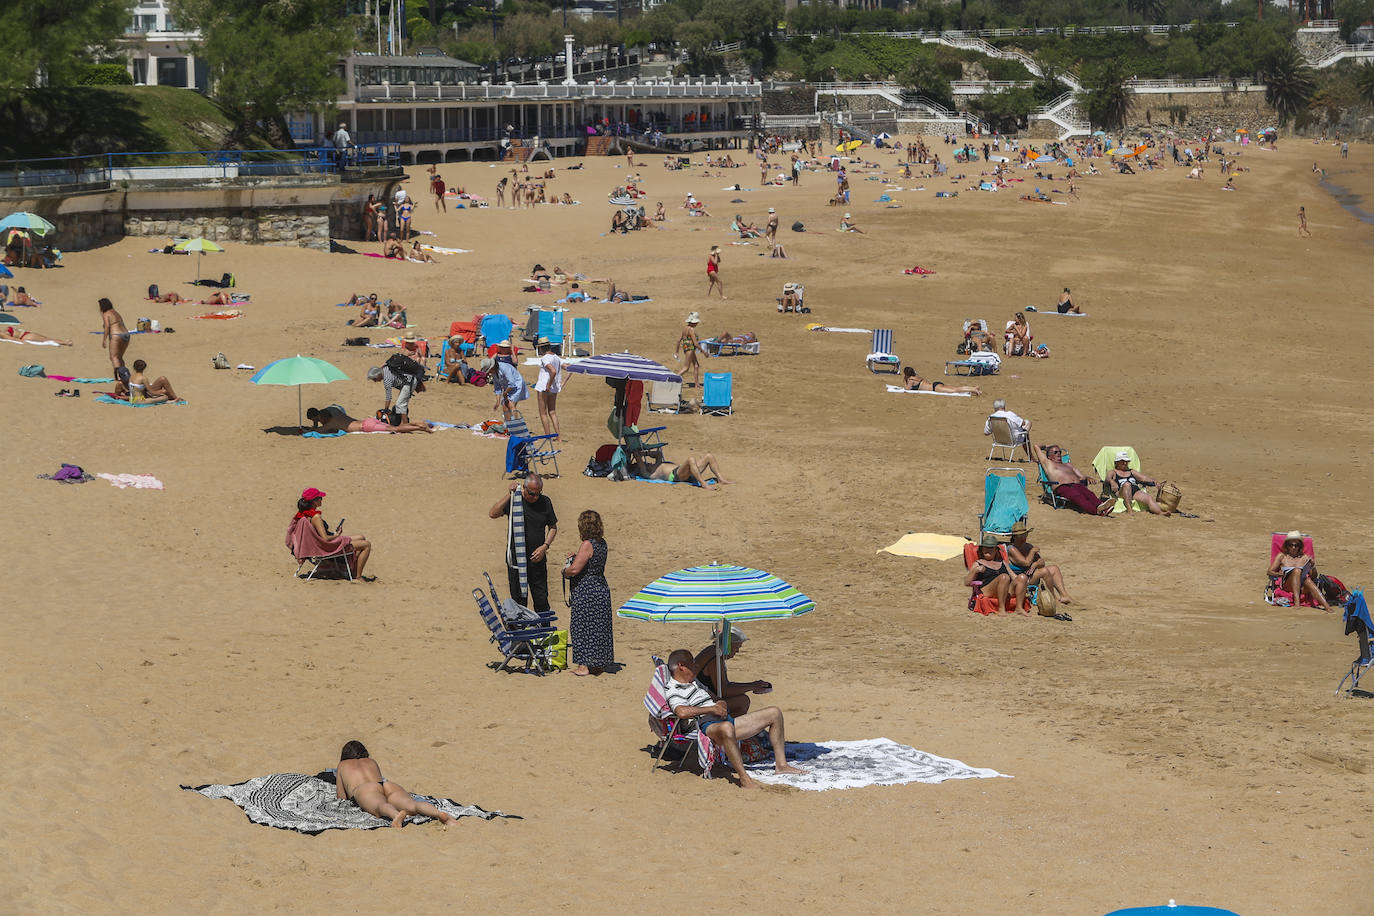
x=624 y=365
x=715 y=593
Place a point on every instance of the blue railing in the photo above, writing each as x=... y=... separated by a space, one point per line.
x=105 y=169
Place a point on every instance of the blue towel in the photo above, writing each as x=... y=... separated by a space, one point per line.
x=515 y=453
x=1004 y=502
x=1357 y=609
x=311 y=434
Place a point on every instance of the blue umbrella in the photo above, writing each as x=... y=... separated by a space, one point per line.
x=30 y=221
x=1172 y=909
x=5 y=271
x=626 y=366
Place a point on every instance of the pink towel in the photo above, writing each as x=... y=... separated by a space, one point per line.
x=305 y=541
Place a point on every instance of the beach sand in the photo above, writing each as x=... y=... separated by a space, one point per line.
x=1179 y=739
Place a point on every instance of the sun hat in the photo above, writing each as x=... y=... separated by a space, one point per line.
x=503 y=343
x=312 y=493
x=374 y=374
x=1293 y=536
x=1020 y=527
x=409 y=335
x=771 y=210
x=990 y=540
x=737 y=635
x=542 y=342
x=1122 y=456
x=694 y=318
x=715 y=249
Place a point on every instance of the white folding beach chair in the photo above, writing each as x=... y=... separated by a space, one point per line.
x=1003 y=438
x=665 y=397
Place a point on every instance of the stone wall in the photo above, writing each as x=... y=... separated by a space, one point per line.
x=794 y=100
x=1197 y=112
x=304 y=228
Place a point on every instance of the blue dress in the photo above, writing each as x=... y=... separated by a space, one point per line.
x=593 y=643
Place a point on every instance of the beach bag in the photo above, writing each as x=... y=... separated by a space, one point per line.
x=31 y=371
x=227 y=281
x=557 y=644
x=1046 y=602
x=219 y=361
x=479 y=378
x=756 y=749
x=152 y=291
x=798 y=226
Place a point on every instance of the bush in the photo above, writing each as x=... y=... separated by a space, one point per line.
x=105 y=75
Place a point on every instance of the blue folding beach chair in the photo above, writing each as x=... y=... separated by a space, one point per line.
x=551 y=325
x=882 y=359
x=1004 y=501
x=583 y=338
x=717 y=393
x=515 y=644
x=524 y=451
x=516 y=615
x=1047 y=494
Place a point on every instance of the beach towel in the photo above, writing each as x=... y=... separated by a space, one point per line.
x=438 y=249
x=927 y=546
x=221 y=316
x=309 y=804
x=311 y=434
x=79 y=381
x=136 y=481
x=305 y=541
x=854 y=764
x=634 y=301
x=35 y=343
x=515 y=536
x=104 y=397
x=896 y=389
x=821 y=327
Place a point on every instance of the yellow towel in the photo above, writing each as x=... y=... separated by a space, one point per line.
x=928 y=546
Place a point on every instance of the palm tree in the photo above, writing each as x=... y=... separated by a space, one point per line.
x=1106 y=98
x=1288 y=83
x=1364 y=82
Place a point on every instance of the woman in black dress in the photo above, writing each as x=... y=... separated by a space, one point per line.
x=593 y=644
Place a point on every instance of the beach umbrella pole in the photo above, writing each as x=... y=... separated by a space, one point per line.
x=300 y=417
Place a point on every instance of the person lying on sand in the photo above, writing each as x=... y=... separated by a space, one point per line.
x=173 y=297
x=913 y=382
x=419 y=254
x=10 y=332
x=334 y=419
x=688 y=699
x=359 y=780
x=702 y=471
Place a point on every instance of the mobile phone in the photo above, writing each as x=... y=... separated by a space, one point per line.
x=339 y=527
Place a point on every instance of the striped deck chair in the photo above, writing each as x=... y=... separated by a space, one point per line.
x=882 y=359
x=674 y=731
x=527 y=644
x=521 y=457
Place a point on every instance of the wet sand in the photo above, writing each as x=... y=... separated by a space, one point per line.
x=1178 y=739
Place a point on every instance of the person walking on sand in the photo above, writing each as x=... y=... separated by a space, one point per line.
x=358 y=779
x=687 y=344
x=1303 y=231
x=114 y=336
x=713 y=280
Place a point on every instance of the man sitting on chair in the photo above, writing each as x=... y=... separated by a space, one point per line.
x=1020 y=428
x=688 y=699
x=1069 y=483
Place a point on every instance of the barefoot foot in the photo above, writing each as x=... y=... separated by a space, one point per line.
x=581 y=671
x=788 y=768
x=399 y=820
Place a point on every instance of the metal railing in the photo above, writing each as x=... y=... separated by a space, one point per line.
x=438 y=136
x=667 y=89
x=104 y=169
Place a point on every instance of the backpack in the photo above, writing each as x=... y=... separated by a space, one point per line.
x=227 y=281
x=478 y=379
x=404 y=365
x=152 y=291
x=798 y=227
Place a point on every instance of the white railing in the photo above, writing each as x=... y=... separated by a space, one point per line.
x=640 y=90
x=1341 y=53
x=1323 y=25
x=978 y=87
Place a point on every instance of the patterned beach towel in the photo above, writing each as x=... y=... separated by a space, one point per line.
x=874 y=762
x=307 y=804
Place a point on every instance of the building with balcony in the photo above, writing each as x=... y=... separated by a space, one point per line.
x=161 y=53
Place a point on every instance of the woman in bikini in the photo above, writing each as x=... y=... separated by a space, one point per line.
x=1297 y=571
x=687 y=344
x=1129 y=486
x=370 y=315
x=359 y=780
x=713 y=280
x=114 y=336
x=10 y=332
x=139 y=388
x=370 y=217
x=996 y=577
x=913 y=382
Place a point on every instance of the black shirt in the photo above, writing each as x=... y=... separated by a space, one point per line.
x=539 y=517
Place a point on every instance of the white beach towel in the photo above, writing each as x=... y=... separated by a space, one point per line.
x=137 y=481
x=821 y=327
x=895 y=389
x=854 y=764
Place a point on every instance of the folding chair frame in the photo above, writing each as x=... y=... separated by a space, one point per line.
x=514 y=643
x=343 y=556
x=718 y=409
x=998 y=425
x=538 y=450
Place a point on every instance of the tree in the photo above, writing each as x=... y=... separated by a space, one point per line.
x=1288 y=83
x=1183 y=59
x=1353 y=14
x=1106 y=99
x=696 y=37
x=923 y=75
x=1364 y=83
x=52 y=41
x=270 y=57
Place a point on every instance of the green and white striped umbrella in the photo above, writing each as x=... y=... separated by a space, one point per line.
x=715 y=593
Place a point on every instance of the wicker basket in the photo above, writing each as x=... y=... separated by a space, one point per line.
x=1169 y=497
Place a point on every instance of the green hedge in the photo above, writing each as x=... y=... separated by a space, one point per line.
x=105 y=75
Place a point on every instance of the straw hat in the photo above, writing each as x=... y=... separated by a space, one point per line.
x=1294 y=536
x=846 y=216
x=694 y=318
x=542 y=342
x=504 y=343
x=1020 y=527
x=409 y=335
x=1122 y=456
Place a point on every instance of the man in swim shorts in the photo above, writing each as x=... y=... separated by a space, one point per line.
x=1070 y=484
x=688 y=699
x=359 y=780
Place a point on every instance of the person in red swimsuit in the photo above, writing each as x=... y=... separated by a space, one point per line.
x=713 y=272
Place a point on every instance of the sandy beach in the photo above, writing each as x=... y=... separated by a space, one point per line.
x=1179 y=739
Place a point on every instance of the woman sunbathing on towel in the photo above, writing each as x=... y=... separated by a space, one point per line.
x=419 y=254
x=334 y=419
x=359 y=779
x=370 y=313
x=10 y=332
x=703 y=471
x=913 y=382
x=157 y=391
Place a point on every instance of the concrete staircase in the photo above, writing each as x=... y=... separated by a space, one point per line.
x=599 y=146
x=1065 y=114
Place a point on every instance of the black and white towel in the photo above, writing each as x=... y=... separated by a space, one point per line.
x=853 y=764
x=307 y=804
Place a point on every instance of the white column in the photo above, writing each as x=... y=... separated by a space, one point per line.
x=568 y=60
x=152 y=70
x=191 y=71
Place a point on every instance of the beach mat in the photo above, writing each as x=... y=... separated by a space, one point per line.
x=103 y=397
x=895 y=389
x=926 y=546
x=873 y=762
x=307 y=804
x=821 y=327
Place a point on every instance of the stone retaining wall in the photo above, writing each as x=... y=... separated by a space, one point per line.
x=306 y=228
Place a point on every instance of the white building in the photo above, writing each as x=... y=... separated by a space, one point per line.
x=160 y=52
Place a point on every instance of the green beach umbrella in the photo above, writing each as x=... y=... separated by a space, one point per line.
x=30 y=221
x=200 y=246
x=298 y=370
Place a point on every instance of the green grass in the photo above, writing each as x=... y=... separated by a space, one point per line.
x=88 y=120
